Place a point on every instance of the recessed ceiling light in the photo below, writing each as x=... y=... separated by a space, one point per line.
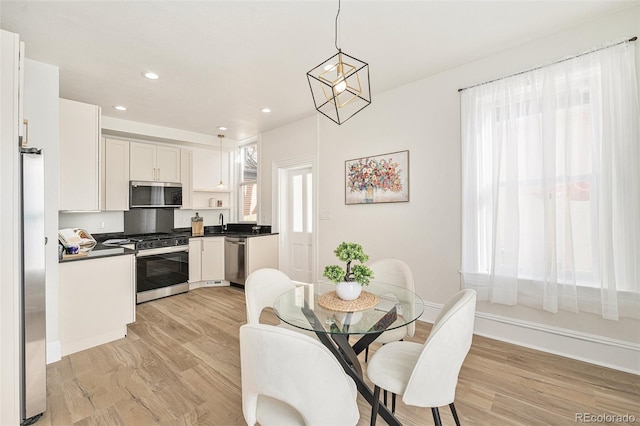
x=265 y=110
x=222 y=128
x=120 y=107
x=150 y=75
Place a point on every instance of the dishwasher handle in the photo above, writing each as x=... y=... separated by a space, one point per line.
x=235 y=240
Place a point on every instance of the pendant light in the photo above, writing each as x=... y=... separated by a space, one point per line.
x=340 y=85
x=221 y=184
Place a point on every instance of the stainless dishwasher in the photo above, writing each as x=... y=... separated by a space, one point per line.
x=234 y=260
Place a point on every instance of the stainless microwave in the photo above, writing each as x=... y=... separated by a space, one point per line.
x=155 y=194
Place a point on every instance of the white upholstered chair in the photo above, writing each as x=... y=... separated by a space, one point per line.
x=262 y=288
x=289 y=378
x=427 y=375
x=398 y=273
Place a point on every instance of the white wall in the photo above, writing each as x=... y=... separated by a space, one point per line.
x=210 y=217
x=94 y=222
x=295 y=140
x=41 y=109
x=424 y=118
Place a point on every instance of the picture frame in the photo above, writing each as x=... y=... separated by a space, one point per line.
x=380 y=178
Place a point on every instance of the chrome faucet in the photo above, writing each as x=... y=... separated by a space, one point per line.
x=221 y=220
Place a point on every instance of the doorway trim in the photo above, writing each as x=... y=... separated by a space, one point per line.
x=279 y=171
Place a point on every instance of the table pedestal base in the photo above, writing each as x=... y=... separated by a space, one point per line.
x=347 y=355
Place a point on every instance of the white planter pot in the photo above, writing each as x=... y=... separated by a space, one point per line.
x=348 y=290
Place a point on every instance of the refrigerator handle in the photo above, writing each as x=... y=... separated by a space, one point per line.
x=46 y=240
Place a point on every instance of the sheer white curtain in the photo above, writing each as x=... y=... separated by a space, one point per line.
x=551 y=189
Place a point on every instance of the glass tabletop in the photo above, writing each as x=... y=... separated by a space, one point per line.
x=395 y=308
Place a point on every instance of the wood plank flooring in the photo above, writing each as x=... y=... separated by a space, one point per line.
x=180 y=365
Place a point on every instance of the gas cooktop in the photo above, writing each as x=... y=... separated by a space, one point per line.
x=149 y=241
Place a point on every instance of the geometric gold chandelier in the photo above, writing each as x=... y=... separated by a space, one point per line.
x=340 y=85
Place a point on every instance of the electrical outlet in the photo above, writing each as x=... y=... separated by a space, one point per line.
x=102 y=225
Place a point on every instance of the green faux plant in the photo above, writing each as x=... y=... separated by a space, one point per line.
x=348 y=252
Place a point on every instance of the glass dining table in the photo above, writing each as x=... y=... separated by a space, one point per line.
x=381 y=307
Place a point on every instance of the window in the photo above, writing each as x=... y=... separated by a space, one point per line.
x=248 y=182
x=301 y=188
x=551 y=193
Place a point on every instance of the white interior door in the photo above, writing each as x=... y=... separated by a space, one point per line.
x=297 y=223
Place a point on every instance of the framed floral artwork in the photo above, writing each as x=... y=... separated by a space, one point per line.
x=379 y=179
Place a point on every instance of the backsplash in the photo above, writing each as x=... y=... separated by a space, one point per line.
x=113 y=222
x=182 y=218
x=94 y=222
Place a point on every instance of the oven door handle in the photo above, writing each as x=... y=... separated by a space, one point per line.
x=162 y=250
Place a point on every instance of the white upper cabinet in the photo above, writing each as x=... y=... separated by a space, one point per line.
x=79 y=156
x=115 y=174
x=150 y=162
x=142 y=161
x=209 y=169
x=168 y=163
x=186 y=177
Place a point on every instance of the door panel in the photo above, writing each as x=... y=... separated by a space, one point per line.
x=299 y=224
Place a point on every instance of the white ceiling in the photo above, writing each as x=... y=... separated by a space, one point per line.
x=220 y=62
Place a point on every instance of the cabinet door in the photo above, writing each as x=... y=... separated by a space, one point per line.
x=116 y=175
x=213 y=258
x=168 y=164
x=186 y=177
x=262 y=252
x=195 y=260
x=142 y=161
x=79 y=156
x=97 y=301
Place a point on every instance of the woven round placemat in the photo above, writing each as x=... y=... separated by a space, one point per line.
x=330 y=300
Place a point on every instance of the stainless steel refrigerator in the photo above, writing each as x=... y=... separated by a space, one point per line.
x=33 y=356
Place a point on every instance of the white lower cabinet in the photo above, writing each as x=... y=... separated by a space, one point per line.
x=262 y=252
x=97 y=301
x=206 y=259
x=195 y=260
x=213 y=258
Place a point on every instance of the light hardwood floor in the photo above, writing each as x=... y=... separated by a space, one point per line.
x=180 y=365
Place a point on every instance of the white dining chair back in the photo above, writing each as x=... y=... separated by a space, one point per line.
x=398 y=273
x=427 y=375
x=289 y=378
x=435 y=376
x=261 y=289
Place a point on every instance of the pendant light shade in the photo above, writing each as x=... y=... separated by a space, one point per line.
x=340 y=84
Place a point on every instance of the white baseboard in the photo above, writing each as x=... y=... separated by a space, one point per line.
x=599 y=350
x=216 y=283
x=116 y=333
x=54 y=352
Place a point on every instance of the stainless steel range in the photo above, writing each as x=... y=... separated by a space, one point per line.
x=162 y=267
x=162 y=261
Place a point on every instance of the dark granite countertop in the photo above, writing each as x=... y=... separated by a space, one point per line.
x=233 y=230
x=100 y=251
x=233 y=234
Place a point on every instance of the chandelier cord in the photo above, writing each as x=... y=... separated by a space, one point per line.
x=336 y=28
